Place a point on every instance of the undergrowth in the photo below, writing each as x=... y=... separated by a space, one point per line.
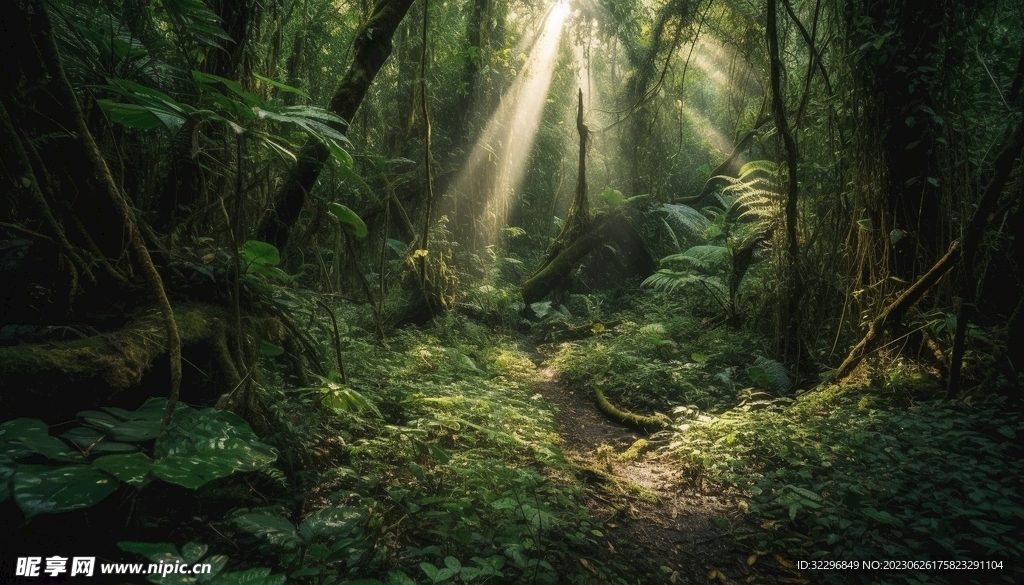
x=858 y=472
x=661 y=356
x=447 y=462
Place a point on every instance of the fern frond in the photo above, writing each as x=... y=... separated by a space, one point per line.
x=708 y=257
x=765 y=167
x=692 y=222
x=671 y=280
x=776 y=371
x=671 y=233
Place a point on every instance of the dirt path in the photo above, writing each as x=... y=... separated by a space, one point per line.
x=653 y=517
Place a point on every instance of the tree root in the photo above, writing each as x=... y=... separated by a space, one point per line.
x=65 y=375
x=646 y=424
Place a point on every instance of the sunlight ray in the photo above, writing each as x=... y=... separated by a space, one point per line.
x=497 y=162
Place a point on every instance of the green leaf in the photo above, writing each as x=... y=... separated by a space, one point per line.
x=340 y=154
x=760 y=378
x=277 y=530
x=865 y=224
x=1007 y=432
x=200 y=446
x=118 y=423
x=612 y=197
x=883 y=517
x=132 y=469
x=255 y=252
x=113 y=447
x=398 y=247
x=23 y=436
x=348 y=218
x=541 y=309
x=443 y=575
x=217 y=564
x=896 y=235
x=281 y=86
x=98 y=420
x=130 y=115
x=270 y=350
x=193 y=551
x=45 y=490
x=417 y=471
x=135 y=431
x=247 y=98
x=453 y=564
x=438 y=454
x=399 y=578
x=331 y=523
x=430 y=570
x=346 y=399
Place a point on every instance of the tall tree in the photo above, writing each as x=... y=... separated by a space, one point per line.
x=791 y=321
x=371 y=49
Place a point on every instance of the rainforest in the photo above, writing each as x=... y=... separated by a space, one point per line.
x=399 y=292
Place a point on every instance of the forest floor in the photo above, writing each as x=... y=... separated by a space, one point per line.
x=656 y=519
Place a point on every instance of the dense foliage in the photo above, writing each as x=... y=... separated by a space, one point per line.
x=303 y=280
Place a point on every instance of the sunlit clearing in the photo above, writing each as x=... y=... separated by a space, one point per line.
x=497 y=162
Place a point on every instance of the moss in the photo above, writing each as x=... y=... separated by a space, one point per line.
x=118 y=359
x=635 y=450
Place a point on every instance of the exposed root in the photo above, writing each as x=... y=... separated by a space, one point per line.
x=647 y=424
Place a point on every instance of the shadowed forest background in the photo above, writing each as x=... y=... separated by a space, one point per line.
x=525 y=291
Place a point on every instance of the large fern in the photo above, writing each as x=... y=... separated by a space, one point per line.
x=672 y=280
x=686 y=218
x=753 y=206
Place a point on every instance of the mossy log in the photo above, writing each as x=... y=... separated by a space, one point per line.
x=63 y=377
x=647 y=424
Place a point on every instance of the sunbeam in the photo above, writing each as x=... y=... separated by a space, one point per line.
x=497 y=161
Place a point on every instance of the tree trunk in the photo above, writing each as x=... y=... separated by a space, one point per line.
x=972 y=243
x=578 y=220
x=371 y=48
x=791 y=318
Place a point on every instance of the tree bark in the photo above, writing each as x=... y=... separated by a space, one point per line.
x=578 y=219
x=371 y=49
x=558 y=267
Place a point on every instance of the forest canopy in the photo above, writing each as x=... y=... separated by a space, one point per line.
x=444 y=291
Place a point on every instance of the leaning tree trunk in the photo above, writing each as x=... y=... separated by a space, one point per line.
x=371 y=48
